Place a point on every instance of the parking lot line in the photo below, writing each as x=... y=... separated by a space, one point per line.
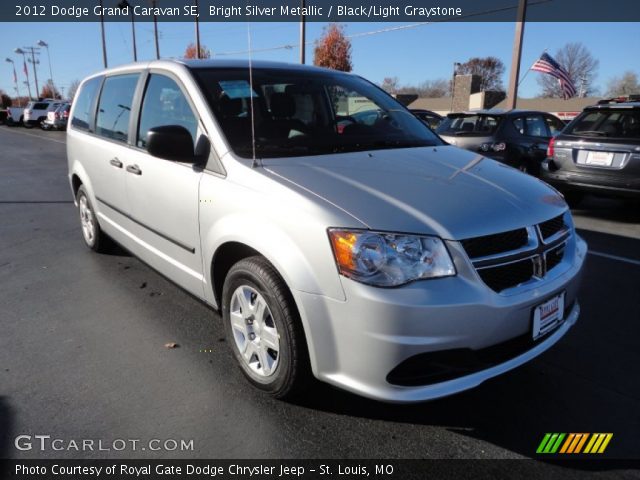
x=36 y=136
x=615 y=257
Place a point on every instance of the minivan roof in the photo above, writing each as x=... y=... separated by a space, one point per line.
x=215 y=63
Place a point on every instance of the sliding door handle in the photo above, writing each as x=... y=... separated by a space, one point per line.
x=115 y=162
x=134 y=169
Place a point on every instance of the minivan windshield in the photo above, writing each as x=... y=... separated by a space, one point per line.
x=468 y=125
x=299 y=113
x=615 y=123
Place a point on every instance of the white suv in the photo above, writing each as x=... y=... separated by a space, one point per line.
x=35 y=113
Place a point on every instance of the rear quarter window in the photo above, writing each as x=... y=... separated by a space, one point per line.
x=83 y=105
x=469 y=125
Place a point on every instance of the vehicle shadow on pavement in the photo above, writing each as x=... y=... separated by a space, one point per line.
x=610 y=209
x=513 y=412
x=6 y=428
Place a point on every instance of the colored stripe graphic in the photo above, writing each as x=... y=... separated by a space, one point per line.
x=572 y=443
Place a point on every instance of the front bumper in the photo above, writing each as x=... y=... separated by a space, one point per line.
x=355 y=344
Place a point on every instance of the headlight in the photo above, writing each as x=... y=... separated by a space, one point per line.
x=389 y=259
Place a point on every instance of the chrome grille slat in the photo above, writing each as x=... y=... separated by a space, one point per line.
x=523 y=258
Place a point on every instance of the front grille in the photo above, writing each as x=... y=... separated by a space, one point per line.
x=501 y=277
x=554 y=257
x=497 y=243
x=551 y=227
x=518 y=256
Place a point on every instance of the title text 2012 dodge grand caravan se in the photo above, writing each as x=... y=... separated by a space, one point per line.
x=373 y=255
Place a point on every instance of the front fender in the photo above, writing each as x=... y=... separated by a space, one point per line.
x=316 y=275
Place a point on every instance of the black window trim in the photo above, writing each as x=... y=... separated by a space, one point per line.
x=213 y=165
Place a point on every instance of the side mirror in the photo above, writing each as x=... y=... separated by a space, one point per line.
x=171 y=142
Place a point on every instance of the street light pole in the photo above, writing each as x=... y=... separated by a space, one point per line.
x=15 y=78
x=44 y=44
x=512 y=95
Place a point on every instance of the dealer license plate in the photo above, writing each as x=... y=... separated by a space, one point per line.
x=600 y=159
x=548 y=315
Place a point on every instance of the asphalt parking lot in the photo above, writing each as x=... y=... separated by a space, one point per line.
x=82 y=352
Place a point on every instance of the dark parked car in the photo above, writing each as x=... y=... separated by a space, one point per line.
x=598 y=152
x=518 y=138
x=431 y=119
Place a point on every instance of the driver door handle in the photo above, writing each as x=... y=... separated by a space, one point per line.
x=115 y=162
x=134 y=169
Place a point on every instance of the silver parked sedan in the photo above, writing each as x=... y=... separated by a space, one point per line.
x=357 y=248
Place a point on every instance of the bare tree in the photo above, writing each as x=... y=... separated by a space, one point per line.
x=627 y=84
x=490 y=70
x=434 y=88
x=73 y=88
x=581 y=66
x=390 y=85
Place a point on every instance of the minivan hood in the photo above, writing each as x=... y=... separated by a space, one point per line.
x=440 y=190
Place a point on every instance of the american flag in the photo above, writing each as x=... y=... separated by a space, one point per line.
x=546 y=64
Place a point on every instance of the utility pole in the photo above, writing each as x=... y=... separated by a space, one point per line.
x=155 y=29
x=197 y=32
x=104 y=43
x=512 y=95
x=33 y=51
x=302 y=34
x=127 y=5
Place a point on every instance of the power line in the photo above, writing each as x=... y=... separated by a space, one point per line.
x=290 y=46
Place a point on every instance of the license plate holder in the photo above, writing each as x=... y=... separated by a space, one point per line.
x=548 y=315
x=599 y=159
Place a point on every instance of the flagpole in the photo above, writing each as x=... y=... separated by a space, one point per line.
x=512 y=96
x=529 y=69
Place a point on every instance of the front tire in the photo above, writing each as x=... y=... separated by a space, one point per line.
x=93 y=236
x=263 y=327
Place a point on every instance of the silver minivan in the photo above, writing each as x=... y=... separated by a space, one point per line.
x=369 y=254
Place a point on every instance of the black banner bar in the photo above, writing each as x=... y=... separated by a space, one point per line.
x=314 y=469
x=319 y=11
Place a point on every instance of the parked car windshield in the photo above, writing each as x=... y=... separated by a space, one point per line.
x=298 y=113
x=469 y=125
x=607 y=123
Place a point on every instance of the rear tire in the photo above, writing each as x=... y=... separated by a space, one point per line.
x=263 y=328
x=92 y=234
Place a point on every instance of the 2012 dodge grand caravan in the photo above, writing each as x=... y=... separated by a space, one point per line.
x=361 y=248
